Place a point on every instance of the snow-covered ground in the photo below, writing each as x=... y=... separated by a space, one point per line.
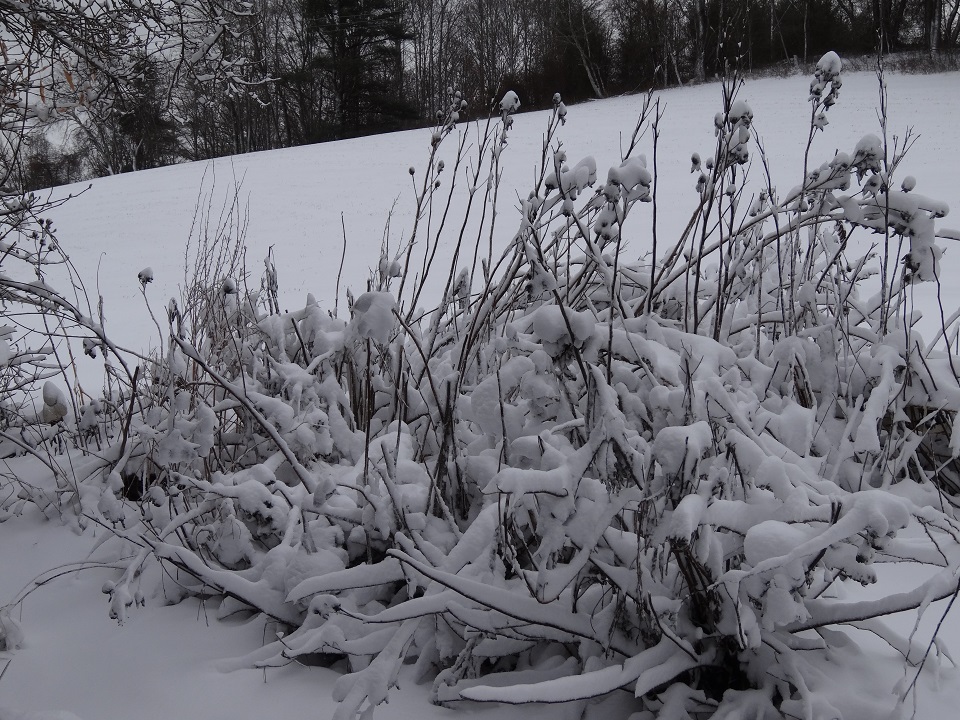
x=295 y=198
x=163 y=663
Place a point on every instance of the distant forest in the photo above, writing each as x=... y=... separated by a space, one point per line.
x=316 y=70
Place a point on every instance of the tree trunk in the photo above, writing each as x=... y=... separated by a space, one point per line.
x=700 y=40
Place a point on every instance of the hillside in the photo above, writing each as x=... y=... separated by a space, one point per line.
x=294 y=199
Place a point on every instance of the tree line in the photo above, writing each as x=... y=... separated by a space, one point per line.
x=314 y=70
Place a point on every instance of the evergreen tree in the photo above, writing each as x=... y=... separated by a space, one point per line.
x=360 y=43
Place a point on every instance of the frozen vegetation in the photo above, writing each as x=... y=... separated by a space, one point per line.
x=538 y=471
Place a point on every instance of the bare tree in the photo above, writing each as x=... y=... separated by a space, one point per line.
x=489 y=44
x=583 y=27
x=430 y=56
x=61 y=55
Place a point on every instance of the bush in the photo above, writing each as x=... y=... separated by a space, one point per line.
x=579 y=472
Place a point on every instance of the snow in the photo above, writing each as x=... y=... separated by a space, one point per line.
x=78 y=664
x=510 y=102
x=830 y=64
x=163 y=661
x=651 y=668
x=554 y=324
x=54 y=404
x=292 y=199
x=740 y=111
x=373 y=316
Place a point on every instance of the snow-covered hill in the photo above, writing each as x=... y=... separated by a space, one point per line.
x=295 y=199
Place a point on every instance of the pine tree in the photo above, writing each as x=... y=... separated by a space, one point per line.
x=361 y=51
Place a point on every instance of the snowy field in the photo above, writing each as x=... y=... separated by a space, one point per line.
x=294 y=198
x=165 y=661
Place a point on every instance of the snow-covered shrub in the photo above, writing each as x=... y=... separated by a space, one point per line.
x=578 y=472
x=46 y=320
